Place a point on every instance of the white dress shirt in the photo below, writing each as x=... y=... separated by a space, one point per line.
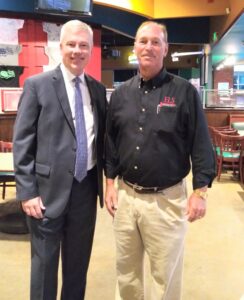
x=88 y=114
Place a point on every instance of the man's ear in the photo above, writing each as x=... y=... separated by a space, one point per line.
x=166 y=50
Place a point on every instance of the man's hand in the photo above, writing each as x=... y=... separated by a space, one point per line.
x=33 y=207
x=196 y=207
x=111 y=197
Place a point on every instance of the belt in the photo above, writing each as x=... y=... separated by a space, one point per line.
x=143 y=190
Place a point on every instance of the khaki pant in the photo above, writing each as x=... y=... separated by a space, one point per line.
x=156 y=224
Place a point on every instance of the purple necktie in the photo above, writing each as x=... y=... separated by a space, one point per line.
x=81 y=135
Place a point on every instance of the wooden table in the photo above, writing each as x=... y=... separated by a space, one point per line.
x=6 y=162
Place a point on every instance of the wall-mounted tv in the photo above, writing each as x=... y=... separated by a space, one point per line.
x=62 y=7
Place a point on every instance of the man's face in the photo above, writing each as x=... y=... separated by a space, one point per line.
x=76 y=47
x=150 y=47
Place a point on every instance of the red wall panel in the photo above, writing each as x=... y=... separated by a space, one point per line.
x=33 y=40
x=94 y=68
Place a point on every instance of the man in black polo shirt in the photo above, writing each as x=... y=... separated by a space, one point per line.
x=156 y=133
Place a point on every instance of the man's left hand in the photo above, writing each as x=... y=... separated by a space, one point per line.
x=196 y=207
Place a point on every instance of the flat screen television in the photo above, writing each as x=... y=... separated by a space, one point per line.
x=64 y=7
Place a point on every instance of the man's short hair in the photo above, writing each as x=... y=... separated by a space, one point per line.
x=78 y=24
x=161 y=26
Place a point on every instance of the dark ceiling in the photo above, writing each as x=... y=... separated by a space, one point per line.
x=111 y=38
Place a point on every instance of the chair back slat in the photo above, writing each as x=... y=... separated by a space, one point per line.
x=229 y=152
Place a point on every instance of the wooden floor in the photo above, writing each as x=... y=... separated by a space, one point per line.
x=214 y=254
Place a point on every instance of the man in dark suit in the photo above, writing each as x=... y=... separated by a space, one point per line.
x=60 y=205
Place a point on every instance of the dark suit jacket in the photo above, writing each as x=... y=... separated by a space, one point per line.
x=45 y=143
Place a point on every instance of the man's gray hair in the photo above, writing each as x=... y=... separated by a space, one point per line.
x=76 y=24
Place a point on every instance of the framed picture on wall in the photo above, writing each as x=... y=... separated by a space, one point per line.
x=10 y=99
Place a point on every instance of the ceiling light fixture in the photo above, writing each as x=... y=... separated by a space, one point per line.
x=178 y=54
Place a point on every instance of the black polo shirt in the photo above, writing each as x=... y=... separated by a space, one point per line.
x=156 y=130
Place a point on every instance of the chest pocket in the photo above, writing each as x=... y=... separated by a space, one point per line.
x=166 y=120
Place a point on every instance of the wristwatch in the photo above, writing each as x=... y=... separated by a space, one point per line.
x=200 y=193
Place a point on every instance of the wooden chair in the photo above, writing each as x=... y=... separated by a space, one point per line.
x=227 y=127
x=242 y=167
x=221 y=129
x=215 y=131
x=229 y=153
x=6 y=177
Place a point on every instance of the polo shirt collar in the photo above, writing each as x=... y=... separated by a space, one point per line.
x=154 y=82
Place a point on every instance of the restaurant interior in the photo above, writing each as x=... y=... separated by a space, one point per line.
x=206 y=47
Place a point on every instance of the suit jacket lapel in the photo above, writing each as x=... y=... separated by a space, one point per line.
x=93 y=95
x=59 y=85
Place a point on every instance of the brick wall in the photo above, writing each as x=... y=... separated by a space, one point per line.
x=223 y=75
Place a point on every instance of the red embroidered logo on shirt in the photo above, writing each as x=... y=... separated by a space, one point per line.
x=167 y=101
